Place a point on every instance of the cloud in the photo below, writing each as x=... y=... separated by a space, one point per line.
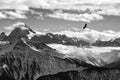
x=77 y=17
x=2 y=15
x=99 y=54
x=52 y=4
x=17 y=24
x=82 y=10
x=39 y=14
x=18 y=15
x=14 y=4
x=85 y=10
x=45 y=30
x=12 y=15
x=91 y=35
x=75 y=29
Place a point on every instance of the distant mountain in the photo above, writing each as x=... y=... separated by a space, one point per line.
x=117 y=40
x=114 y=43
x=49 y=38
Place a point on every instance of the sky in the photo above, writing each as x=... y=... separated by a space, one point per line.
x=60 y=15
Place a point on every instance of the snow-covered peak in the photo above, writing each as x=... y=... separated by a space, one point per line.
x=19 y=30
x=21 y=25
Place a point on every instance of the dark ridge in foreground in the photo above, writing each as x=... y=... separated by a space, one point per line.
x=88 y=74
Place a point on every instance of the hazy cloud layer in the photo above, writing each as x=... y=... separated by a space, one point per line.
x=100 y=55
x=77 y=17
x=75 y=10
x=91 y=35
x=12 y=15
x=17 y=24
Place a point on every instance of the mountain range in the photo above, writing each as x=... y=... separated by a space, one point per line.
x=24 y=58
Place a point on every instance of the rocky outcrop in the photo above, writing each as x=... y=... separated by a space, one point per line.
x=117 y=40
x=2 y=36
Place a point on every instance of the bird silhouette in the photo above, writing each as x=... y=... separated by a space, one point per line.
x=85 y=26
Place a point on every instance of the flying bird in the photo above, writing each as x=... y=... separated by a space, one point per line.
x=85 y=26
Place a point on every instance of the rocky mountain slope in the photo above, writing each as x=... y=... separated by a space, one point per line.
x=2 y=36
